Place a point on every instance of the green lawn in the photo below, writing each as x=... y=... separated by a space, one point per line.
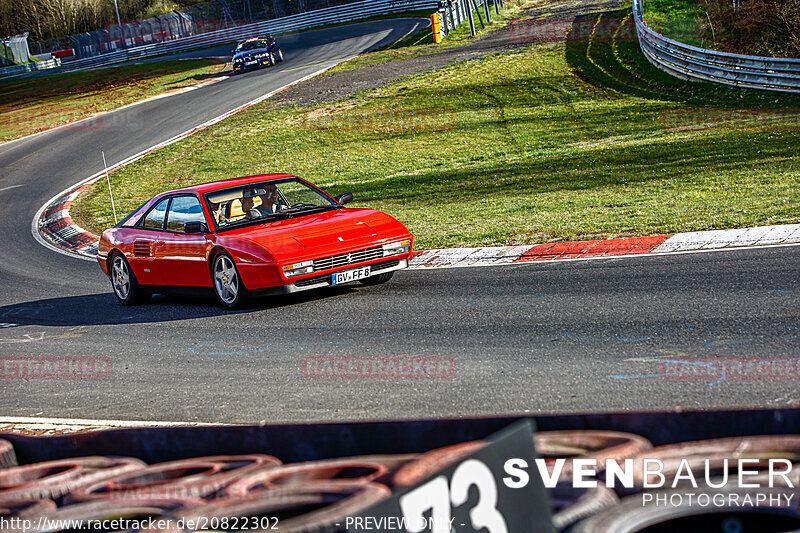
x=28 y=105
x=557 y=141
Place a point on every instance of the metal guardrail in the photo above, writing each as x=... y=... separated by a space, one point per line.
x=319 y=17
x=698 y=64
x=30 y=67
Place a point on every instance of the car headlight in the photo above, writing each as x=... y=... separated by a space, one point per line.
x=395 y=248
x=295 y=269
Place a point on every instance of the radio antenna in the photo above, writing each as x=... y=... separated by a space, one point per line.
x=111 y=194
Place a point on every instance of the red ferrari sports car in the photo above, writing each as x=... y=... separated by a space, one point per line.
x=242 y=237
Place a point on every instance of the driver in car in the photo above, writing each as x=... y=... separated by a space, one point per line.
x=268 y=201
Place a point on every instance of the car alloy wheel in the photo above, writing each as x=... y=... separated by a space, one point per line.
x=121 y=277
x=227 y=284
x=123 y=282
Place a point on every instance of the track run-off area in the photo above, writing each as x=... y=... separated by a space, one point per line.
x=606 y=334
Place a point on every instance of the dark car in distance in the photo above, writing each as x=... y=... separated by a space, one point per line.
x=256 y=53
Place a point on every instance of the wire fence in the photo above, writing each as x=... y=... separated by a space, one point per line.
x=698 y=64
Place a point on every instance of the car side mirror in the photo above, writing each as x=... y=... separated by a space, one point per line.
x=344 y=198
x=195 y=227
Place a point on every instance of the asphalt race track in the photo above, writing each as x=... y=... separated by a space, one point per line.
x=535 y=337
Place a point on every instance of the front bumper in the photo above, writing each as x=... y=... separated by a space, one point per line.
x=324 y=280
x=242 y=66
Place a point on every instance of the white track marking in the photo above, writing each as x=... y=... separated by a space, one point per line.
x=90 y=422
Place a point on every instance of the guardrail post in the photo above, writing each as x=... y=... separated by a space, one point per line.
x=496 y=9
x=471 y=23
x=486 y=11
x=474 y=4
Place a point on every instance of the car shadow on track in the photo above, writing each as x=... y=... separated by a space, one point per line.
x=103 y=309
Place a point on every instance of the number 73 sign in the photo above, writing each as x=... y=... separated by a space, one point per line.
x=471 y=496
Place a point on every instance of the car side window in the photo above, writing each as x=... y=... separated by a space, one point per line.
x=184 y=209
x=155 y=218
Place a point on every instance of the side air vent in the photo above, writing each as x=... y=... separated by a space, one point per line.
x=141 y=248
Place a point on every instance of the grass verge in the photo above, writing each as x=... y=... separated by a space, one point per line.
x=29 y=105
x=557 y=141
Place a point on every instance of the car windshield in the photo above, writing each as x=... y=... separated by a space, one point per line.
x=251 y=45
x=268 y=200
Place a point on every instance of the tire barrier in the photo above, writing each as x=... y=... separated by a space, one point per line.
x=182 y=482
x=25 y=508
x=53 y=479
x=630 y=516
x=432 y=461
x=718 y=453
x=587 y=444
x=570 y=504
x=316 y=495
x=349 y=470
x=315 y=506
x=7 y=456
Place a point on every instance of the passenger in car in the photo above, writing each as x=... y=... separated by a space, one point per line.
x=218 y=212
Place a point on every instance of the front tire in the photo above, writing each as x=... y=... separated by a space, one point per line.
x=124 y=283
x=228 y=285
x=377 y=279
x=280 y=55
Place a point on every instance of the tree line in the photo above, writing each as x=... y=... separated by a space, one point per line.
x=761 y=27
x=47 y=19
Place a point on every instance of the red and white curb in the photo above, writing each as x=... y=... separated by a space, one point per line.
x=695 y=241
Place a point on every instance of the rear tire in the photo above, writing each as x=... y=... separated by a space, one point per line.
x=377 y=279
x=228 y=286
x=124 y=283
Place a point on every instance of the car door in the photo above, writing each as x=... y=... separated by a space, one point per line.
x=182 y=256
x=148 y=232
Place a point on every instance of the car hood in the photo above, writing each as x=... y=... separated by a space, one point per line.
x=321 y=234
x=250 y=53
